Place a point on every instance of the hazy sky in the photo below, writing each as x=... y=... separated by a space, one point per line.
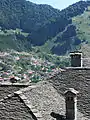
x=60 y=4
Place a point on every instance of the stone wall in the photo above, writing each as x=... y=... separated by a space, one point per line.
x=78 y=78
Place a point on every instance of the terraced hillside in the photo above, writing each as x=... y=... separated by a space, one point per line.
x=78 y=79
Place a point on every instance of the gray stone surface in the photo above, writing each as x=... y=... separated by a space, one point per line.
x=5 y=90
x=78 y=78
x=44 y=99
x=13 y=108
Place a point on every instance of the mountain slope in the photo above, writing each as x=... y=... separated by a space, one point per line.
x=32 y=18
x=43 y=24
x=82 y=23
x=74 y=35
x=25 y=15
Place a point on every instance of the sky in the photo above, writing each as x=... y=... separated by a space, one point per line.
x=59 y=4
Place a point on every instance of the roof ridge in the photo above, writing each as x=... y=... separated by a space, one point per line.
x=27 y=103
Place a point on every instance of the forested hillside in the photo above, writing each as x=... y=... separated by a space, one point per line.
x=39 y=25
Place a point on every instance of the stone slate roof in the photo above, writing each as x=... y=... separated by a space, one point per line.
x=43 y=100
x=79 y=79
x=13 y=108
x=6 y=89
x=36 y=102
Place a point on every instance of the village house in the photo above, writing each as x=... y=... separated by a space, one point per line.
x=38 y=102
x=57 y=98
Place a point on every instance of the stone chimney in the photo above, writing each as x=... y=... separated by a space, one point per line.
x=76 y=59
x=71 y=104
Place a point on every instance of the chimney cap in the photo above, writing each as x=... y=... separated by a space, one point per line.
x=71 y=90
x=76 y=53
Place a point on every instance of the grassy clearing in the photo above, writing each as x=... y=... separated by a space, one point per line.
x=82 y=23
x=7 y=42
